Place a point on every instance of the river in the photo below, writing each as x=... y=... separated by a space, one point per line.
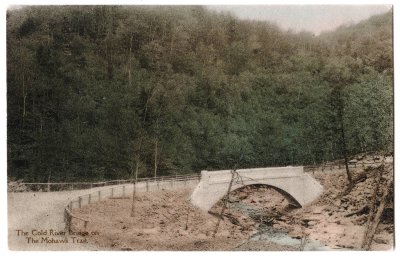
x=267 y=233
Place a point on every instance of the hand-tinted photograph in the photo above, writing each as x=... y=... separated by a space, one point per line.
x=200 y=128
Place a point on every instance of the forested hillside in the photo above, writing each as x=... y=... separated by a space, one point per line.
x=97 y=92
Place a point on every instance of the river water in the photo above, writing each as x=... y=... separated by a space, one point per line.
x=282 y=238
x=267 y=233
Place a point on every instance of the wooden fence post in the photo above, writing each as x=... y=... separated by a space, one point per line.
x=112 y=192
x=80 y=202
x=99 y=192
x=67 y=221
x=90 y=198
x=123 y=191
x=133 y=199
x=147 y=186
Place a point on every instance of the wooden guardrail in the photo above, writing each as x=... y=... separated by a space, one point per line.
x=121 y=192
x=338 y=166
x=61 y=186
x=68 y=215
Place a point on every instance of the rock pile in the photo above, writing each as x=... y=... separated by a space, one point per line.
x=356 y=202
x=339 y=217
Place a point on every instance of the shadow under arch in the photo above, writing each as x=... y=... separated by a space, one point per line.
x=292 y=201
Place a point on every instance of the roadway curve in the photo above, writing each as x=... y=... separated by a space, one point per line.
x=41 y=211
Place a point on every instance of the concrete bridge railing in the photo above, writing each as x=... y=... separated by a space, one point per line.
x=292 y=182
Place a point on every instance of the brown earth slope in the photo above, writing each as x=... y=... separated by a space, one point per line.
x=163 y=220
x=166 y=220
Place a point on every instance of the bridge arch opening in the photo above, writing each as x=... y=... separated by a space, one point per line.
x=256 y=197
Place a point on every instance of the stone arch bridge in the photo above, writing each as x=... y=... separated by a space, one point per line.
x=292 y=182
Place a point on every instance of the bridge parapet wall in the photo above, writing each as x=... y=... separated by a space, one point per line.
x=216 y=177
x=292 y=181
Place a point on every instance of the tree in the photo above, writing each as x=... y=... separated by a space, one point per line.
x=107 y=92
x=340 y=74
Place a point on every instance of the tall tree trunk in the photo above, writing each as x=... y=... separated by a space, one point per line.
x=372 y=204
x=48 y=181
x=155 y=158
x=133 y=198
x=344 y=146
x=137 y=157
x=110 y=67
x=130 y=60
x=137 y=166
x=225 y=202
x=33 y=104
x=23 y=96
x=41 y=125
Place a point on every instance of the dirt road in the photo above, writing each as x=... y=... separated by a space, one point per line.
x=37 y=213
x=167 y=221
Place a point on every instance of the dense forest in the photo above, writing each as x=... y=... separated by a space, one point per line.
x=105 y=92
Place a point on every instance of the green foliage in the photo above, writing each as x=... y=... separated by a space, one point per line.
x=96 y=92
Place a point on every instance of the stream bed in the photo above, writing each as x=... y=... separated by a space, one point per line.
x=267 y=233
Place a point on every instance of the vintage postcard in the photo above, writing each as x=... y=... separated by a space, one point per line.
x=200 y=127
